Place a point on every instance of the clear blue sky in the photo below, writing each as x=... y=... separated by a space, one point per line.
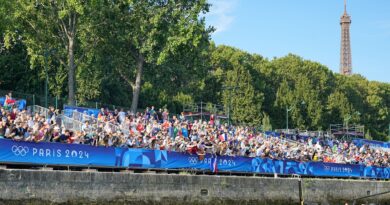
x=308 y=28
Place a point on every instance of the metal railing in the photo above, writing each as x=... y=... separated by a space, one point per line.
x=42 y=111
x=62 y=120
x=58 y=102
x=82 y=117
x=305 y=132
x=96 y=123
x=70 y=124
x=76 y=119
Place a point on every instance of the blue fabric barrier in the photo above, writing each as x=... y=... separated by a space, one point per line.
x=372 y=143
x=55 y=153
x=21 y=103
x=358 y=142
x=85 y=155
x=89 y=111
x=2 y=100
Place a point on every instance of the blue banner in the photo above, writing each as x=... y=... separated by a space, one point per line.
x=372 y=143
x=358 y=142
x=20 y=103
x=89 y=111
x=86 y=155
x=56 y=154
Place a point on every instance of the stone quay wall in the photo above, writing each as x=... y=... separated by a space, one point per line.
x=21 y=186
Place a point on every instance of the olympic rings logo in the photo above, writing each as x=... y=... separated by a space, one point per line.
x=193 y=160
x=20 y=150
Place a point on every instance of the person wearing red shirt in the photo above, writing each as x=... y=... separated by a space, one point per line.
x=9 y=101
x=140 y=127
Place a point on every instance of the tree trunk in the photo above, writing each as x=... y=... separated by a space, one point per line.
x=137 y=85
x=71 y=73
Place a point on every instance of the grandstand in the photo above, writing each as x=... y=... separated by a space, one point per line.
x=158 y=139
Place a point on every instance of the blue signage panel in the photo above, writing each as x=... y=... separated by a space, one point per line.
x=85 y=155
x=333 y=169
x=89 y=111
x=56 y=153
x=371 y=143
x=20 y=103
x=358 y=141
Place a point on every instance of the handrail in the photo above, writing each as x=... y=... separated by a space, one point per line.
x=40 y=110
x=70 y=124
x=94 y=122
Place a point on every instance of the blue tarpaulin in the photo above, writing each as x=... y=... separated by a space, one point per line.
x=358 y=142
x=85 y=155
x=20 y=103
x=89 y=111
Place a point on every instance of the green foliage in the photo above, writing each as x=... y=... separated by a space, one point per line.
x=143 y=53
x=315 y=95
x=266 y=123
x=368 y=135
x=237 y=83
x=160 y=43
x=15 y=70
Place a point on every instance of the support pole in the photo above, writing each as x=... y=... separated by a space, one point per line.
x=230 y=102
x=286 y=119
x=201 y=110
x=47 y=78
x=33 y=103
x=301 y=200
x=56 y=102
x=389 y=130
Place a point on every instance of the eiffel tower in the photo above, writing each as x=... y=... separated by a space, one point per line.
x=345 y=51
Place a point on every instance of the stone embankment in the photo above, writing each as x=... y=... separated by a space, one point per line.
x=72 y=187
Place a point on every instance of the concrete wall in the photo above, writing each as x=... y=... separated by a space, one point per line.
x=69 y=187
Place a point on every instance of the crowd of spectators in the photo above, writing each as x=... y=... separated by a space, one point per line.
x=154 y=129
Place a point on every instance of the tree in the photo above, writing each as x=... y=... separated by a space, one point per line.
x=266 y=124
x=61 y=29
x=155 y=30
x=161 y=51
x=233 y=68
x=15 y=71
x=368 y=135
